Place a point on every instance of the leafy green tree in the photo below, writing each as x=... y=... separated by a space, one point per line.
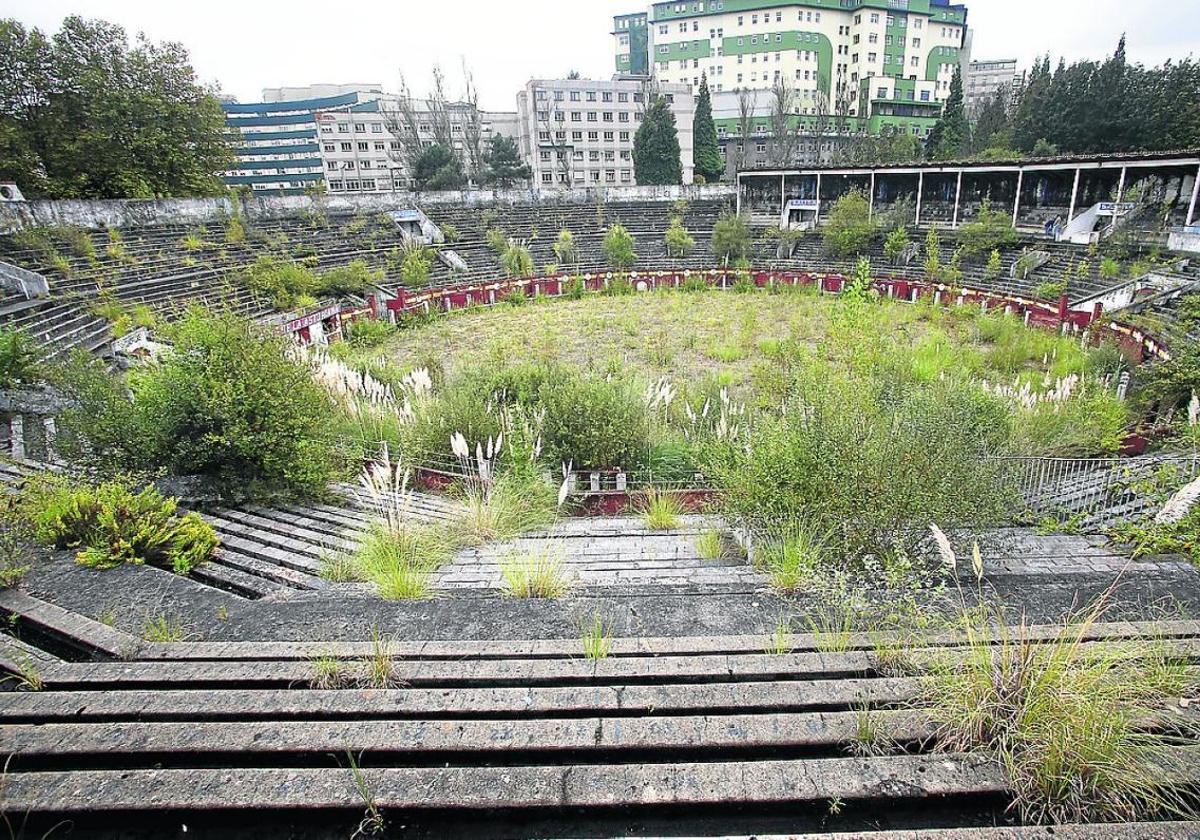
x=230 y=402
x=992 y=130
x=933 y=256
x=656 y=156
x=18 y=358
x=414 y=270
x=951 y=135
x=991 y=229
x=705 y=150
x=84 y=115
x=679 y=242
x=504 y=164
x=992 y=271
x=894 y=245
x=438 y=168
x=849 y=228
x=618 y=247
x=730 y=237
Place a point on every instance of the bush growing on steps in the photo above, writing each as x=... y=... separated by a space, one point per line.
x=849 y=229
x=868 y=459
x=18 y=359
x=354 y=278
x=228 y=402
x=111 y=523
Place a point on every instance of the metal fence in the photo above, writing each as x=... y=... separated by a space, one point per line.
x=1099 y=491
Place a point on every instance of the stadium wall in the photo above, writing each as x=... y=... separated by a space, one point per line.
x=120 y=213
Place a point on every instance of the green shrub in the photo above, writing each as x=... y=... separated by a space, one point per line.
x=894 y=245
x=282 y=281
x=354 y=278
x=111 y=524
x=369 y=332
x=618 y=247
x=989 y=230
x=18 y=358
x=868 y=459
x=678 y=241
x=730 y=237
x=235 y=230
x=450 y=233
x=228 y=402
x=849 y=228
x=414 y=269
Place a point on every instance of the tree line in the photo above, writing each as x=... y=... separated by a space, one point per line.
x=83 y=114
x=1078 y=108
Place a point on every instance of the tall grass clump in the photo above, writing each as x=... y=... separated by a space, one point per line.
x=535 y=573
x=1070 y=721
x=793 y=556
x=660 y=511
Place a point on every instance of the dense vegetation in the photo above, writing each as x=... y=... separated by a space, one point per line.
x=228 y=402
x=84 y=115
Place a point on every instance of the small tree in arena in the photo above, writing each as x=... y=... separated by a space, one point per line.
x=565 y=248
x=504 y=165
x=850 y=228
x=893 y=247
x=656 y=157
x=679 y=242
x=730 y=237
x=618 y=246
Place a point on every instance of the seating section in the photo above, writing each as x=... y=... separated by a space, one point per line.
x=167 y=266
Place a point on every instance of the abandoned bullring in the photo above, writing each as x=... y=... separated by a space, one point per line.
x=606 y=513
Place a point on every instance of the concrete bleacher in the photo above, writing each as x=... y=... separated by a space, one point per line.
x=153 y=265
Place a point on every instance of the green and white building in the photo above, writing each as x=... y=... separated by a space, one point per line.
x=883 y=63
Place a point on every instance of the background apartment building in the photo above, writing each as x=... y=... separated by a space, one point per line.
x=341 y=136
x=579 y=132
x=985 y=78
x=886 y=63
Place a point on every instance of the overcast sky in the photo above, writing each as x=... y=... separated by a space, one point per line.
x=247 y=45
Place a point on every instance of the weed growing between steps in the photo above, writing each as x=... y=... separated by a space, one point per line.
x=114 y=522
x=1079 y=727
x=660 y=511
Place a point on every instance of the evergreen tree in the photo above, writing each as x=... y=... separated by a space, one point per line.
x=706 y=152
x=951 y=135
x=656 y=147
x=991 y=130
x=504 y=164
x=1029 y=121
x=438 y=168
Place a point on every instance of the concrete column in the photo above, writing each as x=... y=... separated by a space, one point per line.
x=1191 y=216
x=738 y=197
x=920 y=188
x=1074 y=196
x=51 y=432
x=17 y=437
x=957 y=197
x=871 y=197
x=1017 y=200
x=817 y=215
x=782 y=194
x=1120 y=187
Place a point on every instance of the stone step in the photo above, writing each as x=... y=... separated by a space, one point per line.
x=300 y=702
x=724 y=783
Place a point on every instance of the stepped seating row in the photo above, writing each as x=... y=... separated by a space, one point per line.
x=167 y=265
x=697 y=735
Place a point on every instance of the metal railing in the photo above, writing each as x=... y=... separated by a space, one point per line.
x=1099 y=490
